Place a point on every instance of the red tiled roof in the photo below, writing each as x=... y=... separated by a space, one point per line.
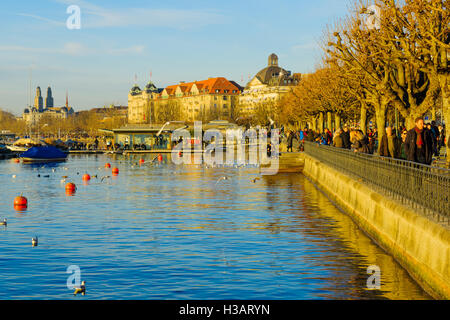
x=211 y=85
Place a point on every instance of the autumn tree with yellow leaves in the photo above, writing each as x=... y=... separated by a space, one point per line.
x=383 y=55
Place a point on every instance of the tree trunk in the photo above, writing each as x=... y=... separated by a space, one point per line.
x=314 y=124
x=446 y=113
x=329 y=120
x=444 y=82
x=337 y=121
x=380 y=114
x=363 y=121
x=320 y=126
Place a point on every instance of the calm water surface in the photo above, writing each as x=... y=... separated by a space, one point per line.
x=172 y=232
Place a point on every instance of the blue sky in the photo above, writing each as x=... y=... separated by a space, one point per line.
x=175 y=40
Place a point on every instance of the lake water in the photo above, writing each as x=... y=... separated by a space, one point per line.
x=173 y=232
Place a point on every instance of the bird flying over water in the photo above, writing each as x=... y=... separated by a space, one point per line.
x=105 y=177
x=3 y=223
x=256 y=179
x=222 y=178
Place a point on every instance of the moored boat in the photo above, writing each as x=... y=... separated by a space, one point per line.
x=23 y=145
x=43 y=154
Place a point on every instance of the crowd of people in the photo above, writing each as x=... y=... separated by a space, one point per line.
x=416 y=145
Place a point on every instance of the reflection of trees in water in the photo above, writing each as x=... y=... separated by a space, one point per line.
x=337 y=241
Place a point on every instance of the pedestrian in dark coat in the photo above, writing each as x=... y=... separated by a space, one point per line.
x=419 y=144
x=346 y=138
x=290 y=140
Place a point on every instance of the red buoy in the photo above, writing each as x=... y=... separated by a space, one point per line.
x=142 y=161
x=71 y=187
x=115 y=171
x=17 y=160
x=86 y=177
x=107 y=165
x=160 y=157
x=20 y=203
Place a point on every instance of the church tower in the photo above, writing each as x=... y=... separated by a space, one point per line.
x=49 y=99
x=273 y=60
x=38 y=101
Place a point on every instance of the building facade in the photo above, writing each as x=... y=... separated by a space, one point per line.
x=141 y=103
x=267 y=87
x=33 y=115
x=205 y=100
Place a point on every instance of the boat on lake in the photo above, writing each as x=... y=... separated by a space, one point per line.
x=43 y=154
x=23 y=145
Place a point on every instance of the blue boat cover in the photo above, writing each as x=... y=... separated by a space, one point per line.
x=47 y=152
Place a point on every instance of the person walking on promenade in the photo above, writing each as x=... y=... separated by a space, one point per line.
x=429 y=126
x=435 y=131
x=345 y=135
x=375 y=139
x=301 y=134
x=324 y=139
x=359 y=142
x=301 y=138
x=290 y=140
x=402 y=147
x=371 y=141
x=419 y=144
x=310 y=135
x=337 y=139
x=329 y=136
x=390 y=145
x=441 y=136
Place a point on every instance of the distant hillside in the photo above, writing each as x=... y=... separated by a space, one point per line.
x=6 y=116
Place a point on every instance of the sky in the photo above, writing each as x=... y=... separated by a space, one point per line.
x=171 y=40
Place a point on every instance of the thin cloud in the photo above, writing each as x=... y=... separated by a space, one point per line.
x=77 y=49
x=130 y=50
x=93 y=16
x=23 y=49
x=54 y=22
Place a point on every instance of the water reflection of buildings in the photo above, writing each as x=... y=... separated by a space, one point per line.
x=158 y=136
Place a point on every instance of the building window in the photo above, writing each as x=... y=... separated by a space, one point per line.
x=225 y=98
x=218 y=91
